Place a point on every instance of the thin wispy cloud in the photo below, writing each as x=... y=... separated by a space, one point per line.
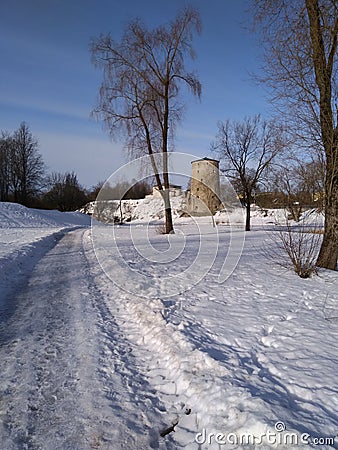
x=44 y=106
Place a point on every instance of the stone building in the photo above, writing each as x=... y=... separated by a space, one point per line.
x=204 y=196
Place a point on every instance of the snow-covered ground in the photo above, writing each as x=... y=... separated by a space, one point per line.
x=118 y=337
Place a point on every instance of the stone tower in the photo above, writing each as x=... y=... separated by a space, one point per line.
x=205 y=187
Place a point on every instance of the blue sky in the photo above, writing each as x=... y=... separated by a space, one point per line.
x=48 y=81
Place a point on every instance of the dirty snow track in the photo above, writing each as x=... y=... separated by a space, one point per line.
x=54 y=391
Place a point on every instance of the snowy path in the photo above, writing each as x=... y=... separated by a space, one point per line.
x=64 y=378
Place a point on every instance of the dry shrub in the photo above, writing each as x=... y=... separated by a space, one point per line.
x=298 y=245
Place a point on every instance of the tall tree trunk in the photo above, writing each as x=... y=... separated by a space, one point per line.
x=169 y=227
x=121 y=215
x=248 y=216
x=323 y=65
x=328 y=254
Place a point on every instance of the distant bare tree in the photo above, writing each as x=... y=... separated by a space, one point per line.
x=140 y=92
x=95 y=190
x=297 y=184
x=27 y=167
x=6 y=149
x=311 y=176
x=300 y=38
x=247 y=149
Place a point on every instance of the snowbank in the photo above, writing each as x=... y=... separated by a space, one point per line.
x=145 y=209
x=15 y=215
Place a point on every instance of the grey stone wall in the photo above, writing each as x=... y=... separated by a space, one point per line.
x=204 y=197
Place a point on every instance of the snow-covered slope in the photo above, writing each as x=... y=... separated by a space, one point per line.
x=18 y=216
x=26 y=234
x=146 y=209
x=21 y=228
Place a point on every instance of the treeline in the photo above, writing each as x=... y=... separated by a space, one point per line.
x=24 y=179
x=23 y=176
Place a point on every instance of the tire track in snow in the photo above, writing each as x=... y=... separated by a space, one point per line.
x=18 y=266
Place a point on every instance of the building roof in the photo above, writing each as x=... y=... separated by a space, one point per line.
x=205 y=159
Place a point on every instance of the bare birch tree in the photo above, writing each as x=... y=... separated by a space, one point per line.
x=140 y=92
x=301 y=68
